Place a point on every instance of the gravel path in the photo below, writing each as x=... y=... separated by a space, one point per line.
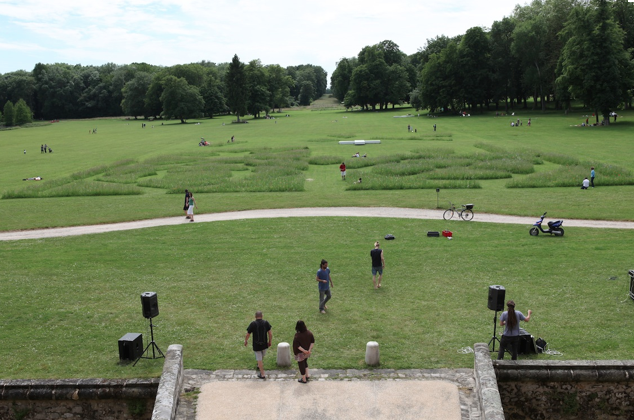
x=400 y=213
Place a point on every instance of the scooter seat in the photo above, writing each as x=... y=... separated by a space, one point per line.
x=555 y=223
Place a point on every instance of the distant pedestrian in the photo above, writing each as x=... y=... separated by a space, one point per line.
x=25 y=151
x=303 y=344
x=232 y=139
x=45 y=148
x=409 y=128
x=529 y=122
x=41 y=148
x=186 y=204
x=260 y=328
x=325 y=283
x=434 y=127
x=378 y=264
x=342 y=168
x=592 y=176
x=191 y=204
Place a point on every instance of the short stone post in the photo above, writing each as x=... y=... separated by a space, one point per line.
x=372 y=353
x=284 y=355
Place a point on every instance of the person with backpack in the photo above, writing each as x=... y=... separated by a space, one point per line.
x=260 y=328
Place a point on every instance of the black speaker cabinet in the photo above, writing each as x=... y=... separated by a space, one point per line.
x=149 y=301
x=496 y=298
x=130 y=346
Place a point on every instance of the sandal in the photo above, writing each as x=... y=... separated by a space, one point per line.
x=260 y=376
x=301 y=382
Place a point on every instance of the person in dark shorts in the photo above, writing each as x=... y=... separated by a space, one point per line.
x=378 y=264
x=303 y=343
x=325 y=282
x=260 y=328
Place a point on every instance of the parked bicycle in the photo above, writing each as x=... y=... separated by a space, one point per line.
x=466 y=213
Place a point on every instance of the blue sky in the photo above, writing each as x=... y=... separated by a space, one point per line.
x=168 y=32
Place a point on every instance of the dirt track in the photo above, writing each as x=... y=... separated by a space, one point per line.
x=400 y=213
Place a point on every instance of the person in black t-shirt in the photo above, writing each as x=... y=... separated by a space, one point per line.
x=260 y=328
x=378 y=264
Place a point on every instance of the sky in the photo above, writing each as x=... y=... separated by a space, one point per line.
x=168 y=32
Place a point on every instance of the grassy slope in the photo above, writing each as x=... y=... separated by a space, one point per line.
x=66 y=301
x=75 y=150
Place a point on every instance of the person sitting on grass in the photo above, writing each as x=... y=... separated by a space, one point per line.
x=585 y=184
x=358 y=181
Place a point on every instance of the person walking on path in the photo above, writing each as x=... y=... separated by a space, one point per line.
x=260 y=328
x=325 y=283
x=191 y=204
x=186 y=204
x=342 y=168
x=592 y=176
x=510 y=320
x=303 y=343
x=378 y=264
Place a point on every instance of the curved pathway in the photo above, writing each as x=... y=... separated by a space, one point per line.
x=393 y=212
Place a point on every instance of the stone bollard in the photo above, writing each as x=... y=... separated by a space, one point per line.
x=284 y=355
x=372 y=353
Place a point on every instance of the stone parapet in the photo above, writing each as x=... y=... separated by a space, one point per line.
x=169 y=388
x=78 y=389
x=486 y=384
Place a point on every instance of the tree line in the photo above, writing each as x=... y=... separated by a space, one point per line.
x=550 y=50
x=52 y=91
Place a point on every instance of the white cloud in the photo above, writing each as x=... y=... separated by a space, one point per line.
x=281 y=32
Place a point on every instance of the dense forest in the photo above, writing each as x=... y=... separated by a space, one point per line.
x=550 y=51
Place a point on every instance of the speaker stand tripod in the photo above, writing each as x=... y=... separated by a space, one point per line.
x=150 y=344
x=495 y=337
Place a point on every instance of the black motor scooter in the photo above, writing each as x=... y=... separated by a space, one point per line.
x=554 y=228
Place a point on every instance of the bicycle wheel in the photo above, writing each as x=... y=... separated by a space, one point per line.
x=466 y=215
x=448 y=214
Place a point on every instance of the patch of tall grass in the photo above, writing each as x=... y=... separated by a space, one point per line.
x=572 y=176
x=128 y=174
x=325 y=160
x=467 y=173
x=405 y=168
x=513 y=166
x=193 y=178
x=357 y=163
x=372 y=182
x=67 y=187
x=433 y=152
x=268 y=180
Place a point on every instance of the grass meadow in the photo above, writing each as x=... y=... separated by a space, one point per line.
x=66 y=301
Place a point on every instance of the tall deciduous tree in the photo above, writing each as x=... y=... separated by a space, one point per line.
x=9 y=114
x=503 y=62
x=134 y=92
x=594 y=65
x=475 y=58
x=23 y=113
x=257 y=84
x=236 y=83
x=279 y=86
x=180 y=99
x=340 y=79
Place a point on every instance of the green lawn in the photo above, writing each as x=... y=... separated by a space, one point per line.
x=116 y=140
x=66 y=301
